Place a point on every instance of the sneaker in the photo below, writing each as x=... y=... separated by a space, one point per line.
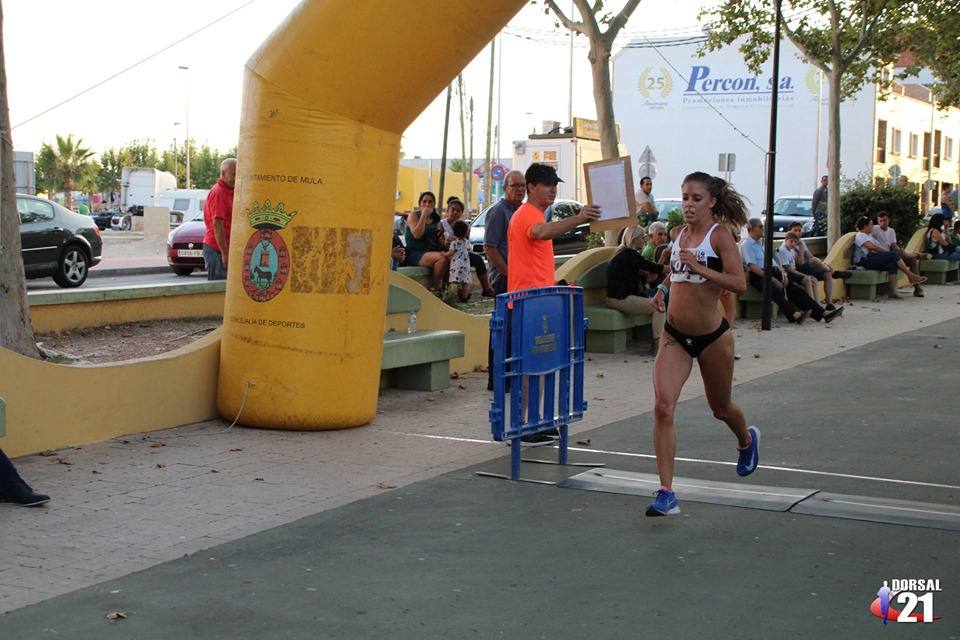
x=749 y=457
x=830 y=307
x=918 y=292
x=737 y=356
x=841 y=275
x=664 y=504
x=830 y=315
x=536 y=440
x=21 y=494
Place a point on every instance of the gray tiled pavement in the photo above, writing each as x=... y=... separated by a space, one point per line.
x=128 y=504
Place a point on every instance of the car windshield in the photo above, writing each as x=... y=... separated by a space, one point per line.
x=667 y=205
x=478 y=221
x=793 y=207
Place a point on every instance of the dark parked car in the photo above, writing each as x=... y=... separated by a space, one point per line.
x=790 y=209
x=570 y=242
x=102 y=219
x=56 y=241
x=185 y=247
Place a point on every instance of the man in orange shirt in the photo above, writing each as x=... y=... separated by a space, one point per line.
x=530 y=237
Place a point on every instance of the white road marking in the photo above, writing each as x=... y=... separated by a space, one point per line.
x=699 y=461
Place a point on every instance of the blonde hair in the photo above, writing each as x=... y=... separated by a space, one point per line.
x=630 y=235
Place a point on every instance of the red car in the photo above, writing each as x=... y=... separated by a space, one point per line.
x=185 y=247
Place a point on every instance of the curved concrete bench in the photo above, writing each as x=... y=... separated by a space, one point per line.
x=608 y=329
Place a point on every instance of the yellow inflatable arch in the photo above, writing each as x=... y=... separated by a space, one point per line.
x=326 y=99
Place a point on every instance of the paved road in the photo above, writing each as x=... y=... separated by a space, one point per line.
x=459 y=556
x=93 y=282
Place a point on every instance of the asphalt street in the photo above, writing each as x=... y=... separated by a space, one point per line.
x=464 y=556
x=110 y=282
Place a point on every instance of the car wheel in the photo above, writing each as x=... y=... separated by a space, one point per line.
x=72 y=267
x=182 y=271
x=126 y=223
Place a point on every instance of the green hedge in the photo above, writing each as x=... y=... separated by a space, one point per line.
x=901 y=203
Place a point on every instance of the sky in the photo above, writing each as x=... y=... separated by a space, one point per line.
x=55 y=49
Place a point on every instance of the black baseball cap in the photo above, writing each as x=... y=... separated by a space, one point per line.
x=539 y=173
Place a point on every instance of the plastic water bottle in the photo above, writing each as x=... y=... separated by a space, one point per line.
x=412 y=322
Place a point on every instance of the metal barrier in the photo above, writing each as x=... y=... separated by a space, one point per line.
x=538 y=340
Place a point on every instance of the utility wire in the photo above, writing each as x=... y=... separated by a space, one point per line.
x=705 y=100
x=135 y=64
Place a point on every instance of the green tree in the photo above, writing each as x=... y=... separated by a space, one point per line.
x=850 y=41
x=110 y=171
x=934 y=40
x=66 y=166
x=142 y=153
x=204 y=167
x=456 y=165
x=900 y=203
x=601 y=48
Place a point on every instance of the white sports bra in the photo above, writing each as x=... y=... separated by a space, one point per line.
x=705 y=256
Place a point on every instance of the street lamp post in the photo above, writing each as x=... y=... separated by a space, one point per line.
x=176 y=164
x=187 y=124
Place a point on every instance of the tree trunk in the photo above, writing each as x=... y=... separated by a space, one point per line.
x=16 y=330
x=833 y=156
x=599 y=57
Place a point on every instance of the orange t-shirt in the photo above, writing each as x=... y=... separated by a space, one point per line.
x=531 y=261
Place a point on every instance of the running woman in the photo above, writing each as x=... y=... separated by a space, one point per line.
x=704 y=262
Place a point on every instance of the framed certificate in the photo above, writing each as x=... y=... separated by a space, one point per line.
x=610 y=186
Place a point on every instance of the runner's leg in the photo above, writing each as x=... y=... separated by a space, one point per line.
x=670 y=371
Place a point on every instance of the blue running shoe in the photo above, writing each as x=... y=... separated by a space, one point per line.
x=749 y=457
x=665 y=504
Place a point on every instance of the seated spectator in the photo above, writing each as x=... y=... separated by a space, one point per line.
x=627 y=275
x=868 y=255
x=674 y=232
x=936 y=243
x=454 y=213
x=658 y=237
x=955 y=234
x=14 y=489
x=787 y=256
x=810 y=265
x=423 y=247
x=397 y=253
x=886 y=238
x=789 y=298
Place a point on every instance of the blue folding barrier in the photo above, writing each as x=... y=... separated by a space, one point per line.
x=538 y=350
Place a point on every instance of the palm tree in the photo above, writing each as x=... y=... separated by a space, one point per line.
x=64 y=167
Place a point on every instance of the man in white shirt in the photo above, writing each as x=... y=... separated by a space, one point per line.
x=869 y=255
x=886 y=239
x=788 y=253
x=646 y=205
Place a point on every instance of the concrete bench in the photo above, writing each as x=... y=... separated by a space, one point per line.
x=940 y=271
x=751 y=304
x=419 y=361
x=866 y=284
x=608 y=329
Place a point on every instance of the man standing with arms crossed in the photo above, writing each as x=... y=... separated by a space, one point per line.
x=495 y=229
x=819 y=208
x=530 y=239
x=217 y=217
x=495 y=242
x=646 y=205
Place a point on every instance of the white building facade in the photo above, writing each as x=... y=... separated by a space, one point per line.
x=689 y=110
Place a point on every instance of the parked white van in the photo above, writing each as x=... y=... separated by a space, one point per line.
x=184 y=204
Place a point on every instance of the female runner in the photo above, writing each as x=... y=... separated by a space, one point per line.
x=704 y=262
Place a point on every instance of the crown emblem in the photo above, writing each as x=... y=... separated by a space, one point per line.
x=268 y=216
